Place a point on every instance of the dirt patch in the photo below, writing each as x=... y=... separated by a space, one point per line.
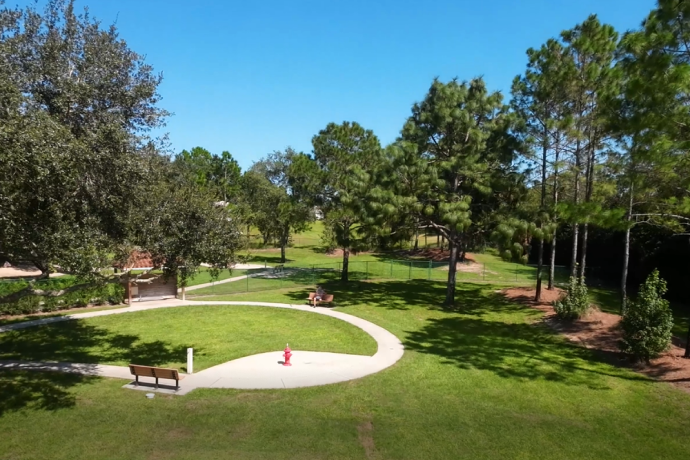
x=600 y=331
x=339 y=253
x=435 y=254
x=471 y=266
x=365 y=434
x=179 y=433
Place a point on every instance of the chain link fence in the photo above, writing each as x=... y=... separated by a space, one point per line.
x=287 y=276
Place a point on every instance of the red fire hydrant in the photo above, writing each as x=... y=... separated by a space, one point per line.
x=287 y=355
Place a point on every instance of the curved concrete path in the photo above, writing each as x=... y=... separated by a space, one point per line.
x=262 y=371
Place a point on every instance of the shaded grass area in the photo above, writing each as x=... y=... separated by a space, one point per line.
x=204 y=276
x=161 y=337
x=24 y=318
x=482 y=382
x=374 y=266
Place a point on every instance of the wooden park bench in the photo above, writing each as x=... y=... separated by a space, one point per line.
x=157 y=373
x=328 y=298
x=278 y=268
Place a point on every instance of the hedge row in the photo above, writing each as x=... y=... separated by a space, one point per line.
x=112 y=294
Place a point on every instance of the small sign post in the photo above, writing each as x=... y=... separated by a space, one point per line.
x=190 y=360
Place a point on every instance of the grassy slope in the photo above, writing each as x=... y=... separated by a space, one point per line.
x=481 y=383
x=161 y=337
x=204 y=276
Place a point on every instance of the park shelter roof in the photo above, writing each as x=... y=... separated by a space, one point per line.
x=136 y=260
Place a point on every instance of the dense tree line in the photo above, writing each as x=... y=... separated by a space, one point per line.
x=83 y=182
x=590 y=146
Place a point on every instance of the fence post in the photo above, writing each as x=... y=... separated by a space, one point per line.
x=516 y=270
x=409 y=274
x=366 y=276
x=428 y=275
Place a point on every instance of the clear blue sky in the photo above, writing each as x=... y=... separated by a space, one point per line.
x=251 y=77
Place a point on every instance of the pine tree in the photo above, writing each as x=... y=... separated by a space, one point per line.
x=592 y=46
x=539 y=97
x=458 y=145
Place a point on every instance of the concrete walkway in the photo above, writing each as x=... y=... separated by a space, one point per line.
x=262 y=371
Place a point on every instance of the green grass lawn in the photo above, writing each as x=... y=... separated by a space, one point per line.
x=204 y=276
x=161 y=337
x=483 y=382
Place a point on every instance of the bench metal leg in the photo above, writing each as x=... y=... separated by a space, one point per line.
x=156 y=383
x=136 y=380
x=177 y=384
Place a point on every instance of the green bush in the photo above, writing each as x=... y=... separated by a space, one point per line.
x=575 y=303
x=24 y=306
x=112 y=294
x=647 y=321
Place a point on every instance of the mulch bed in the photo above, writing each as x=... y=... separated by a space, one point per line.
x=435 y=254
x=600 y=331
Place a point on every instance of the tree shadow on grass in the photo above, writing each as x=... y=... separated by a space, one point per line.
x=481 y=339
x=485 y=331
x=71 y=342
x=38 y=390
x=78 y=342
x=392 y=295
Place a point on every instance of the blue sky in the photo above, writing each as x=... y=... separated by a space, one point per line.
x=256 y=76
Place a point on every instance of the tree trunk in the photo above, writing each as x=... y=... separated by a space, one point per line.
x=44 y=268
x=540 y=267
x=452 y=269
x=346 y=261
x=576 y=200
x=552 y=262
x=626 y=254
x=583 y=256
x=282 y=251
x=416 y=238
x=540 y=261
x=573 y=258
x=462 y=251
x=624 y=275
x=589 y=189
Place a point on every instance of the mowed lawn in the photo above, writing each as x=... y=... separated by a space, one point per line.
x=161 y=337
x=484 y=382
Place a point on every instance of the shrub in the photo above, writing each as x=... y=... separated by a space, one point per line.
x=574 y=303
x=113 y=294
x=23 y=306
x=647 y=321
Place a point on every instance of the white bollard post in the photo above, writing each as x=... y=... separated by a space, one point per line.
x=190 y=360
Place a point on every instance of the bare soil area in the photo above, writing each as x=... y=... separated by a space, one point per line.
x=22 y=271
x=600 y=331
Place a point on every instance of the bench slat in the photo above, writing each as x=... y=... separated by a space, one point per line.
x=157 y=372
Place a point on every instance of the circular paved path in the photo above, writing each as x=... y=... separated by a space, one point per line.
x=262 y=371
